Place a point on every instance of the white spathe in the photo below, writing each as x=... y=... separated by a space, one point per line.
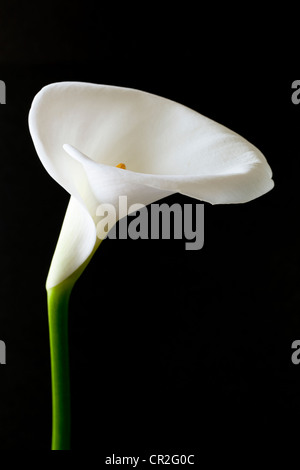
x=81 y=131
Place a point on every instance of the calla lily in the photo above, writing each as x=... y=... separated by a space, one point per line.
x=82 y=132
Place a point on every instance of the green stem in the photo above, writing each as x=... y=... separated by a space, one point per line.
x=58 y=301
x=58 y=305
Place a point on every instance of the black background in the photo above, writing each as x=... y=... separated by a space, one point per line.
x=171 y=351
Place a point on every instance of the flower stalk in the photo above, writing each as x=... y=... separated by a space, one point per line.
x=58 y=306
x=58 y=303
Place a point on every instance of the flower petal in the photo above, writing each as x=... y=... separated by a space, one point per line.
x=81 y=131
x=247 y=179
x=75 y=243
x=150 y=134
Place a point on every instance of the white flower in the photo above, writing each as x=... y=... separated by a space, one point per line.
x=81 y=131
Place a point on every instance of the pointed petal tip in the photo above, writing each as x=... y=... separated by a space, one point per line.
x=71 y=150
x=75 y=153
